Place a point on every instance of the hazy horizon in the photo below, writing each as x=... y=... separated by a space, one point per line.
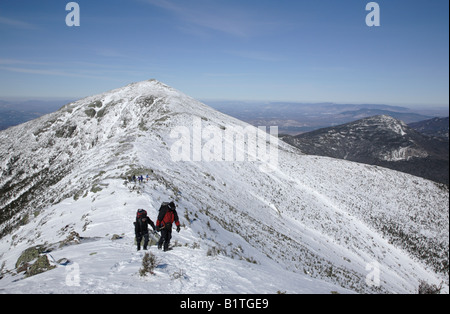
x=54 y=99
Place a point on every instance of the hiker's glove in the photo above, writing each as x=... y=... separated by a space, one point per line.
x=178 y=228
x=158 y=229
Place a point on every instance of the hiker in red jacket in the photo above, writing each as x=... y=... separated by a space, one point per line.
x=167 y=216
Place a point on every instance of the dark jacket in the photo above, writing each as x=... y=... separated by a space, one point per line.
x=141 y=226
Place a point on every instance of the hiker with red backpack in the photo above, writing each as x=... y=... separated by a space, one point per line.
x=141 y=228
x=167 y=216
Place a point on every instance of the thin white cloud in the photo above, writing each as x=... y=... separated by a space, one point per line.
x=109 y=53
x=228 y=75
x=16 y=23
x=76 y=69
x=52 y=72
x=38 y=71
x=256 y=55
x=227 y=20
x=17 y=61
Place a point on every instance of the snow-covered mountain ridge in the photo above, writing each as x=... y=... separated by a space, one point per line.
x=382 y=141
x=313 y=224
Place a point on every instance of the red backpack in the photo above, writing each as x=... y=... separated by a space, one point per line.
x=141 y=214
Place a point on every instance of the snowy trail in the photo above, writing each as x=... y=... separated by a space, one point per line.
x=112 y=267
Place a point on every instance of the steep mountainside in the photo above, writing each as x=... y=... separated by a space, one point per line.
x=260 y=224
x=434 y=127
x=382 y=141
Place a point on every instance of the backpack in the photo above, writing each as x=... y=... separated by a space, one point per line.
x=167 y=215
x=164 y=206
x=141 y=214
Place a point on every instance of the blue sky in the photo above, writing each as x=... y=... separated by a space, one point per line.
x=306 y=51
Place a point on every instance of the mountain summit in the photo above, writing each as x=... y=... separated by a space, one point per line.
x=304 y=224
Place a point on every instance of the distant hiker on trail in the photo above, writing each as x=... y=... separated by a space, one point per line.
x=141 y=228
x=167 y=216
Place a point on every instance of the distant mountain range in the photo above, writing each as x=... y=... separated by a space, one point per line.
x=383 y=141
x=296 y=118
x=16 y=112
x=434 y=127
x=290 y=117
x=406 y=117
